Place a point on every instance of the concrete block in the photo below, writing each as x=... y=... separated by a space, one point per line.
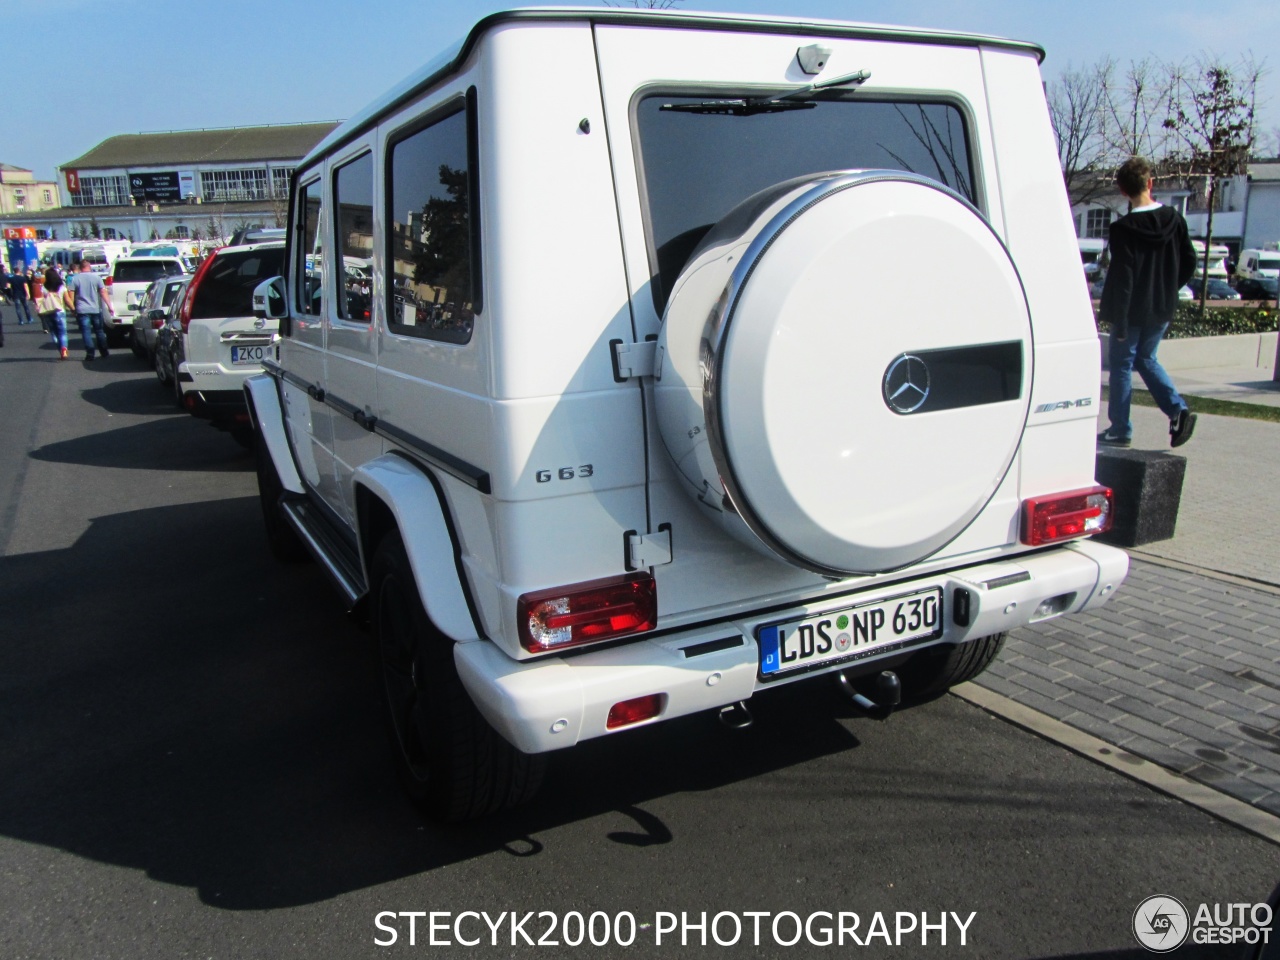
x=1148 y=492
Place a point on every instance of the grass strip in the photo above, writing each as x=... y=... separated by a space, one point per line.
x=1222 y=408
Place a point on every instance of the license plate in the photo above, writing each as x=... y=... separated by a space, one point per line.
x=133 y=299
x=248 y=354
x=849 y=634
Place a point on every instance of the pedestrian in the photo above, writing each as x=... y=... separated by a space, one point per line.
x=90 y=303
x=19 y=294
x=1151 y=259
x=52 y=307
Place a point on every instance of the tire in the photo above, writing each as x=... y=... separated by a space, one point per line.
x=452 y=763
x=933 y=672
x=139 y=349
x=177 y=387
x=162 y=370
x=281 y=538
x=243 y=435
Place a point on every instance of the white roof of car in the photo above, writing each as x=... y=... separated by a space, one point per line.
x=450 y=60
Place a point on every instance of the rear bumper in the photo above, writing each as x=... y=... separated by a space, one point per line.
x=218 y=405
x=555 y=702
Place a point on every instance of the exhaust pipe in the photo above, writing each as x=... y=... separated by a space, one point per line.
x=888 y=693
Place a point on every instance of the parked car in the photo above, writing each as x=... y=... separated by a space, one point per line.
x=1218 y=289
x=217 y=342
x=1259 y=287
x=153 y=313
x=127 y=285
x=728 y=455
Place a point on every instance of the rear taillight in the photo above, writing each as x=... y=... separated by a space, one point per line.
x=189 y=301
x=107 y=281
x=635 y=711
x=587 y=612
x=1064 y=516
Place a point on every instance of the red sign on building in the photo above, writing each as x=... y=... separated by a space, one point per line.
x=73 y=181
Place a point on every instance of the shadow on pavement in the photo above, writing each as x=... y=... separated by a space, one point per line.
x=198 y=712
x=138 y=395
x=179 y=443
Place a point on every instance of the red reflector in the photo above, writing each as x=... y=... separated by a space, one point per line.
x=107 y=281
x=1064 y=516
x=633 y=711
x=587 y=612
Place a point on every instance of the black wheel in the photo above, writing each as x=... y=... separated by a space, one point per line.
x=281 y=538
x=243 y=434
x=161 y=368
x=177 y=387
x=453 y=764
x=934 y=671
x=138 y=347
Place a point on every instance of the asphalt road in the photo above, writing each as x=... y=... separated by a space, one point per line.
x=193 y=762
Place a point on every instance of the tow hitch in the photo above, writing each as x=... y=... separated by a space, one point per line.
x=888 y=693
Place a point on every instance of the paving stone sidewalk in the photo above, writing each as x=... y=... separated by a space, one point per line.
x=1182 y=666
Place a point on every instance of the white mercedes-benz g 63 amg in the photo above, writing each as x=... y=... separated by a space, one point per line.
x=646 y=406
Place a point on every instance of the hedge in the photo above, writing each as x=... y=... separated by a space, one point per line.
x=1189 y=321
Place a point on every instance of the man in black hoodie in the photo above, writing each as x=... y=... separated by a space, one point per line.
x=1151 y=259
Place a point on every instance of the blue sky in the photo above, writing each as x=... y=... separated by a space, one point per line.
x=145 y=65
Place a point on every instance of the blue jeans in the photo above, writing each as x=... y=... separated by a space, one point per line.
x=57 y=327
x=90 y=329
x=1138 y=352
x=21 y=309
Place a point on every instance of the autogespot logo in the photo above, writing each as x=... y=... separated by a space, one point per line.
x=1161 y=923
x=906 y=384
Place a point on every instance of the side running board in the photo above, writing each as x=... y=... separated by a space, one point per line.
x=333 y=553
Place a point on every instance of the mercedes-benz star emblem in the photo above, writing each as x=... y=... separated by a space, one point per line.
x=906 y=384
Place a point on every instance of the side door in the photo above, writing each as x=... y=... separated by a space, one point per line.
x=302 y=351
x=351 y=362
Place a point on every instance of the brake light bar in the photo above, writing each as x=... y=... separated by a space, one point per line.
x=189 y=301
x=587 y=612
x=1065 y=516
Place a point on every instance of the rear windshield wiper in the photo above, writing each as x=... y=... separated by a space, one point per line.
x=798 y=99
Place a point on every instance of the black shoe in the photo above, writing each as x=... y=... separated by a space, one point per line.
x=88 y=358
x=1181 y=427
x=105 y=354
x=1108 y=439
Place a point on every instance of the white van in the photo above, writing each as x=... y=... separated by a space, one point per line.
x=1255 y=263
x=720 y=452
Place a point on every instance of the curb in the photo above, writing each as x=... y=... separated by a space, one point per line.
x=1219 y=805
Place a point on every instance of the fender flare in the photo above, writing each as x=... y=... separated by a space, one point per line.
x=417 y=506
x=263 y=398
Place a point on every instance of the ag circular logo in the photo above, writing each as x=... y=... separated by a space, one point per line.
x=906 y=384
x=1161 y=923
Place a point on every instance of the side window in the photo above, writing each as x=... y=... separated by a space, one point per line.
x=311 y=288
x=432 y=237
x=353 y=236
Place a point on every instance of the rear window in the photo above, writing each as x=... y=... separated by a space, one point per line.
x=699 y=161
x=226 y=288
x=145 y=272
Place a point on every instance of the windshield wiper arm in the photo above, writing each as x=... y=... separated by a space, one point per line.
x=798 y=99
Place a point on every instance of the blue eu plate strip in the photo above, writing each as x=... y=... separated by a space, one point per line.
x=769 y=662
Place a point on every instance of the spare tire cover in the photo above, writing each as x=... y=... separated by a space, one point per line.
x=844 y=370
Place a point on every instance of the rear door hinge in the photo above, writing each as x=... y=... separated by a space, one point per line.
x=648 y=549
x=633 y=359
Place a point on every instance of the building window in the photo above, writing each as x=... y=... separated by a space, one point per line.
x=181 y=232
x=48 y=196
x=42 y=234
x=280 y=184
x=109 y=233
x=102 y=192
x=1096 y=223
x=228 y=185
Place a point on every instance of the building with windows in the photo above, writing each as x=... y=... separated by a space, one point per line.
x=197 y=184
x=21 y=192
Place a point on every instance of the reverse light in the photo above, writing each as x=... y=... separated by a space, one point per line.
x=634 y=711
x=1064 y=516
x=587 y=612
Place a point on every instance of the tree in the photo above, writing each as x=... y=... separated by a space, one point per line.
x=1078 y=110
x=1133 y=124
x=1211 y=116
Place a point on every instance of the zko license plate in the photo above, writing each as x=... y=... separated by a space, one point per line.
x=248 y=354
x=849 y=634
